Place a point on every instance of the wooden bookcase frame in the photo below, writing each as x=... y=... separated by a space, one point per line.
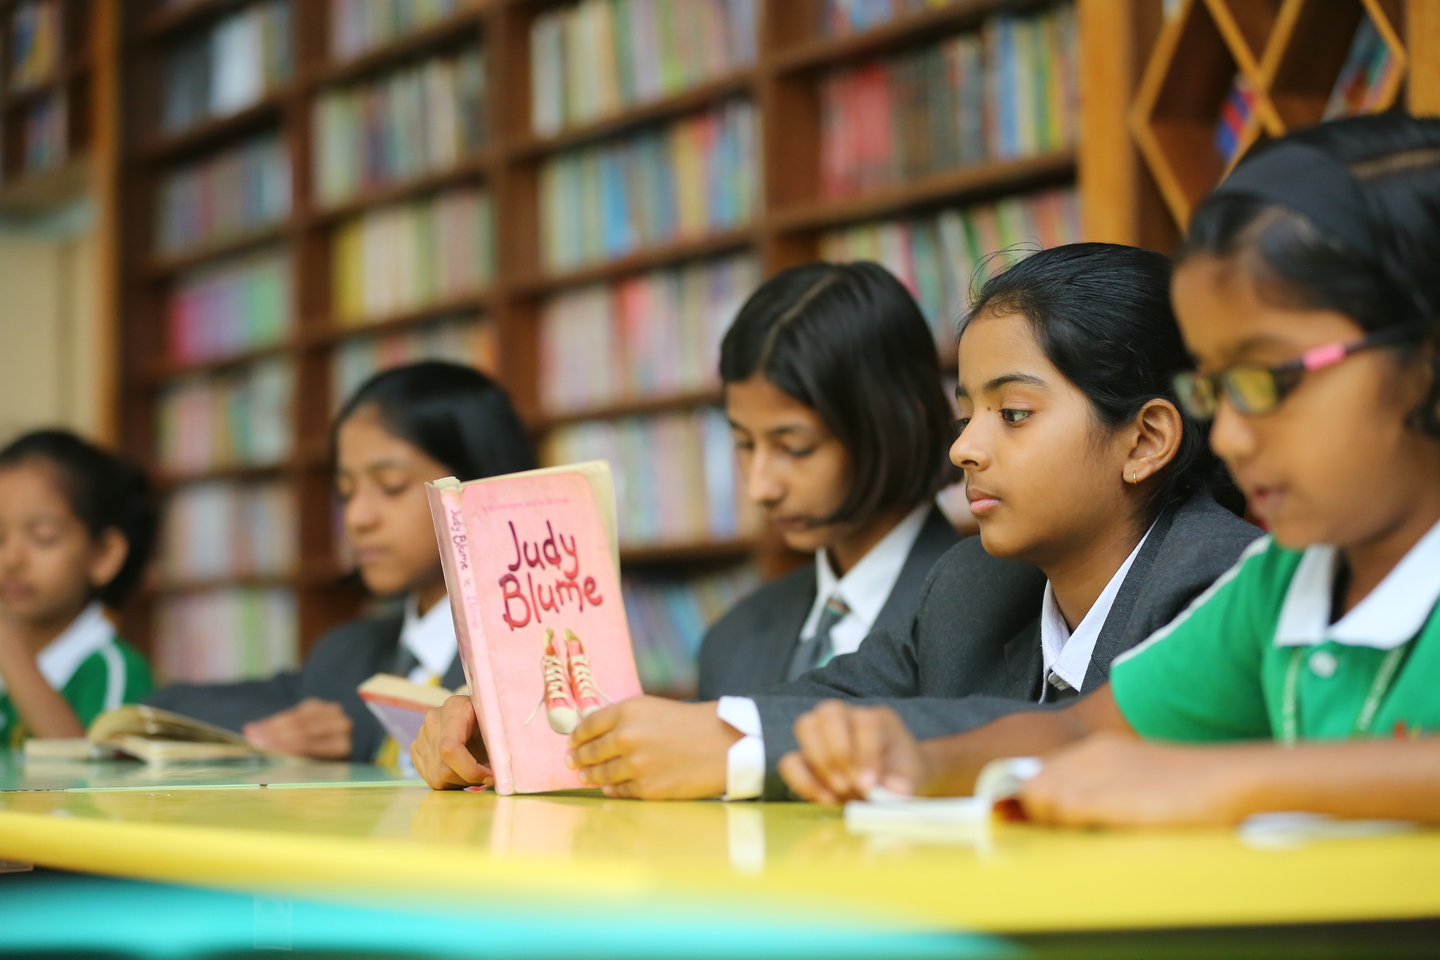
x=1116 y=205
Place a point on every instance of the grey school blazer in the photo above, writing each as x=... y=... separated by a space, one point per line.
x=343 y=659
x=749 y=649
x=971 y=653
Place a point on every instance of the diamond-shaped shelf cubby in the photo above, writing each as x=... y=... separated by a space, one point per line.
x=1200 y=103
x=1310 y=49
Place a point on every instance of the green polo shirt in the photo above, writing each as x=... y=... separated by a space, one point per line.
x=1258 y=648
x=93 y=669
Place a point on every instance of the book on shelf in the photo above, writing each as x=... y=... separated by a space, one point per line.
x=229 y=194
x=942 y=257
x=596 y=58
x=468 y=340
x=675 y=474
x=47 y=129
x=229 y=307
x=681 y=180
x=229 y=67
x=226 y=633
x=400 y=705
x=221 y=529
x=1367 y=76
x=1006 y=91
x=37 y=42
x=357 y=26
x=240 y=417
x=417 y=120
x=404 y=256
x=669 y=615
x=532 y=570
x=1235 y=114
x=653 y=335
x=839 y=17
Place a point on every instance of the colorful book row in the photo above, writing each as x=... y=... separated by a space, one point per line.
x=37 y=42
x=467 y=340
x=239 y=418
x=1367 y=75
x=416 y=121
x=596 y=58
x=856 y=16
x=406 y=256
x=236 y=191
x=674 y=474
x=360 y=25
x=230 y=307
x=1007 y=91
x=668 y=618
x=229 y=67
x=683 y=180
x=942 y=257
x=214 y=636
x=222 y=528
x=653 y=335
x=47 y=126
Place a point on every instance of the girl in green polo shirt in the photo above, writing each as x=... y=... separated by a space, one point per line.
x=1305 y=678
x=76 y=526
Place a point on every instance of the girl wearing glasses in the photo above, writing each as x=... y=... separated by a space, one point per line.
x=1308 y=297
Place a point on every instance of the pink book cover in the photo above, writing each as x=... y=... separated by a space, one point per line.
x=548 y=643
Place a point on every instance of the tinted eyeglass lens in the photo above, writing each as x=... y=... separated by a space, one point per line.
x=1196 y=393
x=1252 y=390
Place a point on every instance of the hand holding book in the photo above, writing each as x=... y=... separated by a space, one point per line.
x=450 y=752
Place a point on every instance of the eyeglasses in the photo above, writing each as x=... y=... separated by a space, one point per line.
x=1254 y=390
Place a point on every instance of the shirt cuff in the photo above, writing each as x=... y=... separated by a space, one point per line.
x=745 y=761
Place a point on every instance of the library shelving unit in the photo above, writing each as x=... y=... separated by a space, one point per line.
x=1290 y=53
x=48 y=89
x=159 y=264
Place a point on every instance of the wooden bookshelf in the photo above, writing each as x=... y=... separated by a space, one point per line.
x=793 y=55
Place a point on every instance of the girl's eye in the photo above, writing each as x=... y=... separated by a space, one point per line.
x=1013 y=417
x=801 y=454
x=960 y=424
x=394 y=490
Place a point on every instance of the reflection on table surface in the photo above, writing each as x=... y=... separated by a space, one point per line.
x=18 y=773
x=797 y=858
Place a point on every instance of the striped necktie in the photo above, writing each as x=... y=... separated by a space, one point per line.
x=817 y=651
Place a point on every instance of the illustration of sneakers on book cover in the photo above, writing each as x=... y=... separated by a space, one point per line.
x=571 y=693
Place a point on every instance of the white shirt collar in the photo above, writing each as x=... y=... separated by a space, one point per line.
x=1389 y=616
x=1067 y=655
x=867 y=585
x=62 y=656
x=430 y=638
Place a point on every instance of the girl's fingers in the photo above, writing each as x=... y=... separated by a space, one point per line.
x=872 y=731
x=799 y=777
x=611 y=773
x=832 y=759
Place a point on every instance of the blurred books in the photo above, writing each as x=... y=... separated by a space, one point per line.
x=1367 y=77
x=414 y=121
x=230 y=307
x=225 y=634
x=37 y=42
x=840 y=17
x=236 y=418
x=467 y=340
x=943 y=256
x=669 y=615
x=234 y=192
x=682 y=180
x=596 y=58
x=653 y=335
x=397 y=258
x=231 y=66
x=360 y=25
x=228 y=529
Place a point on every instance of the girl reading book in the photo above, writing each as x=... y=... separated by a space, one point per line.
x=403 y=427
x=1085 y=467
x=76 y=527
x=1304 y=678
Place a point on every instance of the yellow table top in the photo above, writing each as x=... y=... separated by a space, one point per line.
x=794 y=859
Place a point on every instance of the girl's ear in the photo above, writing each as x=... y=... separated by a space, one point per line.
x=108 y=556
x=1157 y=430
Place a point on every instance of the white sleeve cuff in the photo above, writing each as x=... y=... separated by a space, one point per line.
x=745 y=761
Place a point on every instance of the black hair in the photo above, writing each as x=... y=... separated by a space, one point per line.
x=455 y=414
x=849 y=342
x=1101 y=313
x=1395 y=159
x=105 y=491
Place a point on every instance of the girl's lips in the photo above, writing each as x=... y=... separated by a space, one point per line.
x=980 y=506
x=1266 y=500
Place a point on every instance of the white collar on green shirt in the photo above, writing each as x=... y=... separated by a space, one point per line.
x=62 y=656
x=1392 y=613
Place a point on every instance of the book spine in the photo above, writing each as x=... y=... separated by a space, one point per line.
x=453 y=535
x=465 y=339
x=228 y=634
